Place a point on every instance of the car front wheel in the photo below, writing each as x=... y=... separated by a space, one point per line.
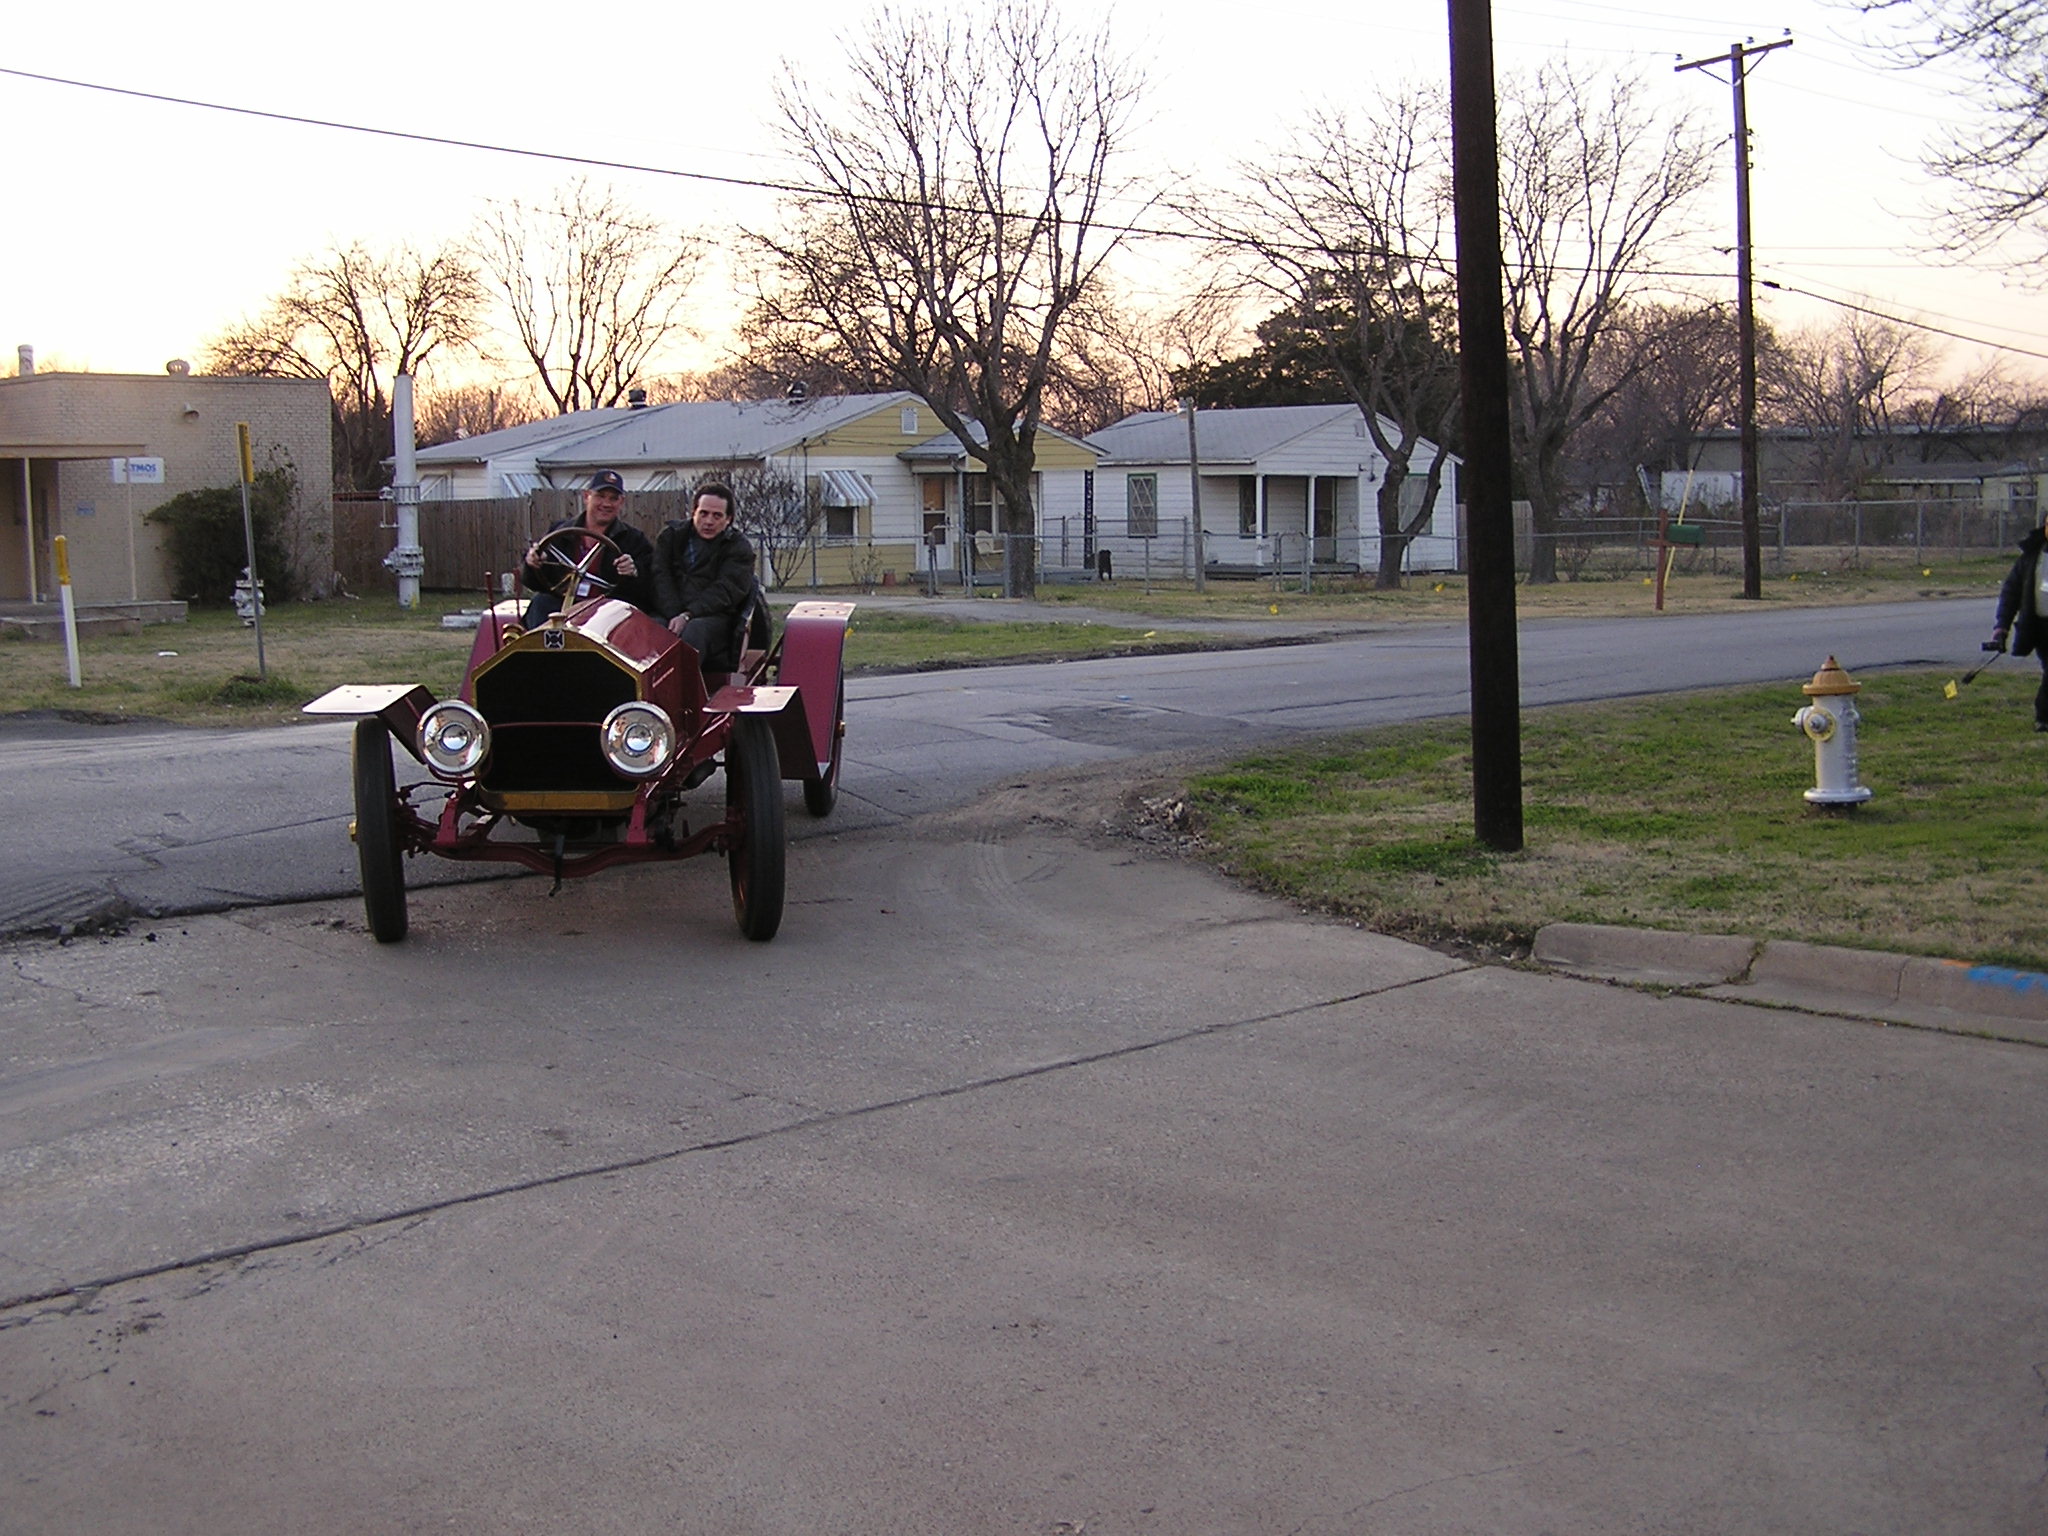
x=753 y=790
x=378 y=853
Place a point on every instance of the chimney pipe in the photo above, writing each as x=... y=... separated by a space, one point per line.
x=27 y=358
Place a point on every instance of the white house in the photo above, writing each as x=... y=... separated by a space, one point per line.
x=896 y=487
x=1273 y=478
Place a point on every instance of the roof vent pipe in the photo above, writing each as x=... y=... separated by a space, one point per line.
x=27 y=357
x=636 y=399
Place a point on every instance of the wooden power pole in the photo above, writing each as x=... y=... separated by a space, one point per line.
x=1737 y=58
x=1483 y=384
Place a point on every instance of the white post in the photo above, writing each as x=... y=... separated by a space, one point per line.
x=70 y=612
x=1195 y=491
x=407 y=561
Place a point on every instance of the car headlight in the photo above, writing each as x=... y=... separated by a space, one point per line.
x=454 y=739
x=639 y=739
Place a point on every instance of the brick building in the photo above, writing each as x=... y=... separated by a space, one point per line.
x=63 y=435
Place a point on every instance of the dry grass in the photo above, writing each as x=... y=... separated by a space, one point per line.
x=1683 y=814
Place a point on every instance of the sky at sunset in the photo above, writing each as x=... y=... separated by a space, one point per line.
x=142 y=227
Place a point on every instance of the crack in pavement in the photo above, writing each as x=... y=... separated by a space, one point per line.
x=415 y=1213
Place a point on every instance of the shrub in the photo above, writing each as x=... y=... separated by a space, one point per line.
x=205 y=543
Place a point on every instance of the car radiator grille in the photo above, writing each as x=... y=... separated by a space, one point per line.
x=544 y=709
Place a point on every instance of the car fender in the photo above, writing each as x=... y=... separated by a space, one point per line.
x=813 y=659
x=784 y=708
x=398 y=705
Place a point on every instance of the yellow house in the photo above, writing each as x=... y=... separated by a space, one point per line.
x=880 y=489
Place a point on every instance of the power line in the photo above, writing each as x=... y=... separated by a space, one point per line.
x=812 y=193
x=1917 y=325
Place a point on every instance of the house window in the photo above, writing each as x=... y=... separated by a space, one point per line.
x=1247 y=506
x=1141 y=505
x=839 y=522
x=2026 y=499
x=909 y=421
x=981 y=505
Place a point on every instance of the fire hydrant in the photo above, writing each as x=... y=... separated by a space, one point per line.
x=1830 y=723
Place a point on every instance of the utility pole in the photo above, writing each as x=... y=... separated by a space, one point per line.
x=1737 y=58
x=1483 y=382
x=1195 y=489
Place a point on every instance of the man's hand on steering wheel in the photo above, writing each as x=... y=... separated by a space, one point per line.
x=553 y=550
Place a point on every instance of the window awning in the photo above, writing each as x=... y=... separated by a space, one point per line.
x=844 y=488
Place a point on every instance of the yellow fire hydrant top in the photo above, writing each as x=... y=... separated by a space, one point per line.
x=1831 y=679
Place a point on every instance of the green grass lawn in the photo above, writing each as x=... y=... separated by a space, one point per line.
x=1681 y=813
x=1814 y=579
x=203 y=671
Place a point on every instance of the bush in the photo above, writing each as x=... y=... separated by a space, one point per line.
x=206 y=547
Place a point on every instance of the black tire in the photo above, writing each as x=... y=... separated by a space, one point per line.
x=378 y=853
x=820 y=795
x=753 y=787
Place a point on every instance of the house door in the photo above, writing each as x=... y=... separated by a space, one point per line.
x=1323 y=517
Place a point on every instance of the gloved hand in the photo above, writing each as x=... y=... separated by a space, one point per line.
x=1996 y=642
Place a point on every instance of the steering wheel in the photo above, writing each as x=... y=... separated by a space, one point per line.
x=552 y=550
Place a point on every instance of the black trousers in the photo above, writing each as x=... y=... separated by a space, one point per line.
x=712 y=638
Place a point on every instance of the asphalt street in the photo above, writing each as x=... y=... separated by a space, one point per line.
x=1031 y=1180
x=103 y=822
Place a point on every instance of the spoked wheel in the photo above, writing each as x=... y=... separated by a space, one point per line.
x=377 y=849
x=821 y=794
x=753 y=788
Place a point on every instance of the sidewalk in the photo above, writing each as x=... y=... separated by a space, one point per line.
x=1953 y=995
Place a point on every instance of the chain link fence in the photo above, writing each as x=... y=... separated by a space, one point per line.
x=1793 y=535
x=471 y=544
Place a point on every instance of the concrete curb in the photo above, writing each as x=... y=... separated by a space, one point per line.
x=1819 y=978
x=1644 y=954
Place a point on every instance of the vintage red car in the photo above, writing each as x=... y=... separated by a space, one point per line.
x=574 y=746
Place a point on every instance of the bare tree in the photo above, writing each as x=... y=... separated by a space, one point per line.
x=592 y=289
x=1996 y=156
x=1842 y=387
x=1349 y=230
x=966 y=169
x=1591 y=186
x=1677 y=370
x=470 y=410
x=779 y=513
x=357 y=318
x=1116 y=360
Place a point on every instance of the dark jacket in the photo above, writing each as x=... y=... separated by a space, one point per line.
x=2016 y=597
x=705 y=578
x=637 y=590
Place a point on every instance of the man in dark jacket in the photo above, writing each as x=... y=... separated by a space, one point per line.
x=703 y=576
x=627 y=572
x=2022 y=610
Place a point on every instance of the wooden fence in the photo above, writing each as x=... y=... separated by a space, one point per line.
x=467 y=543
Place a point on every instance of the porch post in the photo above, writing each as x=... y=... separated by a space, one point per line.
x=28 y=529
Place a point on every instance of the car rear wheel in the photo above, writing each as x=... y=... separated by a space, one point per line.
x=378 y=853
x=753 y=788
x=821 y=794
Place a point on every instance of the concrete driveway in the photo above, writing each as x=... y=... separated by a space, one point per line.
x=1029 y=1182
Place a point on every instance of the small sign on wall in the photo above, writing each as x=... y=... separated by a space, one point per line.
x=137 y=471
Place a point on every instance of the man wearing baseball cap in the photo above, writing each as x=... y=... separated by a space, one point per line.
x=627 y=567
